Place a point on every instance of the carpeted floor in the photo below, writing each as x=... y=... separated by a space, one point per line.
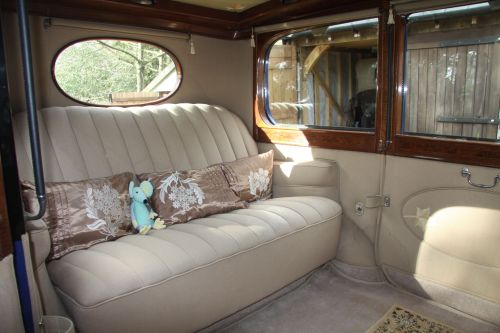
x=328 y=302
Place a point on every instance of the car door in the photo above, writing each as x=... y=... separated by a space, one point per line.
x=440 y=237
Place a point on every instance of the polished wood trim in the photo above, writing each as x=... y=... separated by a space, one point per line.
x=264 y=131
x=274 y=11
x=171 y=15
x=176 y=16
x=382 y=79
x=398 y=80
x=448 y=150
x=331 y=139
x=435 y=148
x=178 y=68
x=5 y=235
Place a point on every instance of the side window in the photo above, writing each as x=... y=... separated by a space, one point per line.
x=452 y=73
x=324 y=77
x=112 y=72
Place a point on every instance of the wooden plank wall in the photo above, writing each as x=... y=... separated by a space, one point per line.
x=461 y=81
x=329 y=86
x=282 y=72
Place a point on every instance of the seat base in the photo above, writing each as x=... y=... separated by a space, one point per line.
x=202 y=294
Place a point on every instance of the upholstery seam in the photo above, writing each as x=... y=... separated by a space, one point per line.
x=283 y=199
x=51 y=144
x=162 y=139
x=144 y=140
x=184 y=111
x=293 y=210
x=199 y=267
x=152 y=253
x=259 y=219
x=225 y=132
x=184 y=147
x=208 y=226
x=84 y=270
x=270 y=212
x=121 y=261
x=217 y=119
x=235 y=120
x=211 y=133
x=198 y=236
x=240 y=224
x=290 y=200
x=123 y=140
x=248 y=140
x=176 y=245
x=102 y=142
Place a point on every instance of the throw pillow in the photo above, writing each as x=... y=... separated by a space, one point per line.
x=181 y=196
x=251 y=178
x=83 y=213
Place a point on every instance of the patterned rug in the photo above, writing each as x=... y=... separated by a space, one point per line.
x=401 y=320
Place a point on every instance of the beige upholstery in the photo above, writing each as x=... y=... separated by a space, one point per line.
x=90 y=142
x=441 y=234
x=111 y=279
x=317 y=177
x=10 y=309
x=185 y=277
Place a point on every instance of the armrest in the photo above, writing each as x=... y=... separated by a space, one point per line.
x=316 y=177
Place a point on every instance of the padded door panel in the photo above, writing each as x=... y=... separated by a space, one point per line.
x=442 y=230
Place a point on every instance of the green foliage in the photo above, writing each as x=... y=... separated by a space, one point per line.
x=90 y=71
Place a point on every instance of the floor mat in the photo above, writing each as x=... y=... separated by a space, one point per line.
x=330 y=303
x=401 y=320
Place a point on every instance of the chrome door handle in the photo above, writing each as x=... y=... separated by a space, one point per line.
x=467 y=174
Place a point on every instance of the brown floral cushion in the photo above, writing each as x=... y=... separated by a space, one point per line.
x=83 y=213
x=251 y=178
x=181 y=196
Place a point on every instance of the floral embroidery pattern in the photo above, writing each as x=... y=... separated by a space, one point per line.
x=105 y=207
x=401 y=320
x=258 y=181
x=183 y=193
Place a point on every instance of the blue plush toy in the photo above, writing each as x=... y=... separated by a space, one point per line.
x=143 y=217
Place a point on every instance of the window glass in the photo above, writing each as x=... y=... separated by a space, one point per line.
x=116 y=72
x=325 y=77
x=452 y=74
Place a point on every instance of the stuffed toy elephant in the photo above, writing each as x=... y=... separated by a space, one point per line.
x=143 y=217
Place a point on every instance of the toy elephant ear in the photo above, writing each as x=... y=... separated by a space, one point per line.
x=147 y=188
x=131 y=186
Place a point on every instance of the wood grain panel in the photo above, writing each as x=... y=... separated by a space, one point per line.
x=448 y=150
x=332 y=139
x=176 y=16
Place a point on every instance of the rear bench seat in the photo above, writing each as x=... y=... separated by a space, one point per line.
x=187 y=276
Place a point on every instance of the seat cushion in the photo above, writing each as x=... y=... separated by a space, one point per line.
x=115 y=269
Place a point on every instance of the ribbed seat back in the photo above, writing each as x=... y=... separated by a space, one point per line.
x=88 y=142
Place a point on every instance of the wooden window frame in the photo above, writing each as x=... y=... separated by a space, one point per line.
x=481 y=153
x=265 y=131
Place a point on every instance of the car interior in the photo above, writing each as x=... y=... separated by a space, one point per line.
x=250 y=166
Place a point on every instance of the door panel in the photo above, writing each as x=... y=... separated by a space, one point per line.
x=442 y=231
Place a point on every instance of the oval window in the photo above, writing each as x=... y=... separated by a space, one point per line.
x=110 y=72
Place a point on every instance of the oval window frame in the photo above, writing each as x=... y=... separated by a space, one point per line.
x=178 y=67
